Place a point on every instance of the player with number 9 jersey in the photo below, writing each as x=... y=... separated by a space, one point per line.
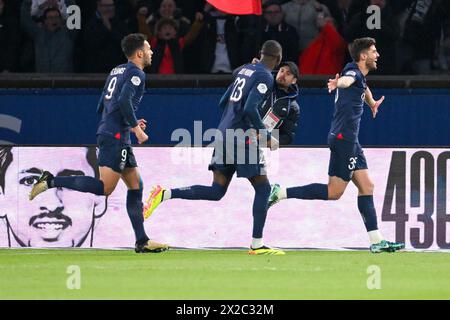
x=125 y=83
x=117 y=105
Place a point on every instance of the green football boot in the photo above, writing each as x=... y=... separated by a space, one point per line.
x=273 y=197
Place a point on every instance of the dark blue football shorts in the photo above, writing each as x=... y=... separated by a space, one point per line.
x=345 y=158
x=247 y=160
x=115 y=154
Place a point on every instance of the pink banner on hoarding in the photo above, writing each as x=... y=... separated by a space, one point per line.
x=411 y=197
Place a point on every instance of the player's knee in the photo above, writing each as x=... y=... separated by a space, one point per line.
x=367 y=189
x=335 y=194
x=218 y=193
x=108 y=190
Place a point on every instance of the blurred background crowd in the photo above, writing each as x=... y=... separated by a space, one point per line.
x=191 y=36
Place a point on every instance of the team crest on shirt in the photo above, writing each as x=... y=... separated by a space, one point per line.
x=136 y=80
x=262 y=88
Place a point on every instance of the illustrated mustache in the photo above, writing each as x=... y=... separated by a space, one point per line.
x=56 y=214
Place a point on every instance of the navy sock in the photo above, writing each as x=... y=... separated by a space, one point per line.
x=134 y=209
x=310 y=192
x=368 y=213
x=262 y=192
x=212 y=193
x=79 y=183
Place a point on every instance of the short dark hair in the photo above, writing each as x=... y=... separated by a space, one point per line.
x=271 y=3
x=132 y=42
x=359 y=45
x=166 y=21
x=46 y=11
x=6 y=157
x=272 y=49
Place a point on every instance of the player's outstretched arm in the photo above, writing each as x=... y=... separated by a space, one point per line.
x=372 y=103
x=340 y=82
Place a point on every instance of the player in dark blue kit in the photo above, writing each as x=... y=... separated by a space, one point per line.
x=347 y=160
x=239 y=136
x=121 y=96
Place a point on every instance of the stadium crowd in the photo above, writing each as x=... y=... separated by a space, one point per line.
x=191 y=36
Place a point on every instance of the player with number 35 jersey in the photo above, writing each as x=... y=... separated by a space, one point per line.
x=347 y=160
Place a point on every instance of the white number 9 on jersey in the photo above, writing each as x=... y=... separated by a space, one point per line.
x=236 y=94
x=110 y=88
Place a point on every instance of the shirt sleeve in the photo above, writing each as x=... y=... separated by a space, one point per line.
x=226 y=96
x=350 y=73
x=133 y=82
x=261 y=89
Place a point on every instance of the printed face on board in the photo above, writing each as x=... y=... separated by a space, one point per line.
x=58 y=217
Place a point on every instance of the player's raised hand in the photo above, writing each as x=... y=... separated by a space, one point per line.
x=332 y=83
x=199 y=16
x=142 y=123
x=376 y=105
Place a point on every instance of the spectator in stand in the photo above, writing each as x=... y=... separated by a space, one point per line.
x=326 y=53
x=167 y=45
x=53 y=42
x=220 y=42
x=250 y=37
x=168 y=9
x=303 y=15
x=142 y=7
x=386 y=36
x=422 y=32
x=341 y=11
x=275 y=28
x=102 y=37
x=191 y=7
x=9 y=38
x=38 y=7
x=445 y=62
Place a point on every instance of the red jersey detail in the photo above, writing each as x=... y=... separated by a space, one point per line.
x=340 y=136
x=117 y=136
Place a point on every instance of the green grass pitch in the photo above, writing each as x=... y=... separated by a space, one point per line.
x=222 y=274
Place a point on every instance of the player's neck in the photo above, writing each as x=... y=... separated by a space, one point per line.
x=136 y=63
x=363 y=68
x=268 y=63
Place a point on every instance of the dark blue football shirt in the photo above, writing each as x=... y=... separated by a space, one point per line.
x=349 y=103
x=120 y=98
x=243 y=98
